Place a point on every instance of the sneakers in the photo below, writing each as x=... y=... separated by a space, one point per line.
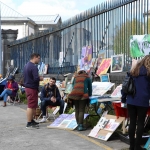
x=34 y=123
x=43 y=120
x=80 y=127
x=32 y=126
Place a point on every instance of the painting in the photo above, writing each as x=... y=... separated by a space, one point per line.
x=117 y=63
x=104 y=77
x=104 y=66
x=86 y=58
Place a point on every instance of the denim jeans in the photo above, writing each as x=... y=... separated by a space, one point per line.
x=44 y=104
x=5 y=94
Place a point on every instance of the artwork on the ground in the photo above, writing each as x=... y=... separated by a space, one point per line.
x=104 y=66
x=139 y=45
x=69 y=88
x=104 y=77
x=105 y=127
x=65 y=121
x=86 y=58
x=117 y=63
x=45 y=81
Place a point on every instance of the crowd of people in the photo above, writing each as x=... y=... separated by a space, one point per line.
x=137 y=105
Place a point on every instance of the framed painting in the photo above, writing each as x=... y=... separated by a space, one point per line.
x=117 y=63
x=104 y=77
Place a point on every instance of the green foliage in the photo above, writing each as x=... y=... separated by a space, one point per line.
x=122 y=35
x=23 y=98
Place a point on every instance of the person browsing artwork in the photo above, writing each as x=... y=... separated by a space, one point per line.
x=82 y=89
x=138 y=104
x=50 y=96
x=10 y=89
x=31 y=83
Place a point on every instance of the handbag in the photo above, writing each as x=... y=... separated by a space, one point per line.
x=128 y=86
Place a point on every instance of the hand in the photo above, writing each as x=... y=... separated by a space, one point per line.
x=53 y=99
x=41 y=78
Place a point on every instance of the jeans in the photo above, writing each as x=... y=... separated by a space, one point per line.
x=79 y=110
x=5 y=94
x=137 y=116
x=44 y=104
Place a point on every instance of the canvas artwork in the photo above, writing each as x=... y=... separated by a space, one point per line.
x=105 y=127
x=45 y=70
x=86 y=58
x=104 y=66
x=117 y=63
x=147 y=145
x=104 y=77
x=101 y=56
x=69 y=88
x=117 y=92
x=65 y=121
x=45 y=81
x=139 y=45
x=100 y=88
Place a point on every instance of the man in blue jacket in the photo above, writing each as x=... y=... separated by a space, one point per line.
x=50 y=96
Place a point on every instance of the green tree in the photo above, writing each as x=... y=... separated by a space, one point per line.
x=122 y=36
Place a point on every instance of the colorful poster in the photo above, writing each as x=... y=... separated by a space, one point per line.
x=100 y=88
x=101 y=56
x=117 y=63
x=65 y=121
x=86 y=58
x=139 y=45
x=117 y=92
x=104 y=66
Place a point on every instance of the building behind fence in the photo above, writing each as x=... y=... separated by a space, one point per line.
x=107 y=27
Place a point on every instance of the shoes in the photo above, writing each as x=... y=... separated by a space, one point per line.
x=4 y=104
x=140 y=148
x=32 y=126
x=80 y=127
x=34 y=123
x=43 y=120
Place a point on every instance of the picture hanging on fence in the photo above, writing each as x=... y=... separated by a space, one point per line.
x=86 y=58
x=104 y=77
x=104 y=66
x=101 y=56
x=139 y=45
x=117 y=63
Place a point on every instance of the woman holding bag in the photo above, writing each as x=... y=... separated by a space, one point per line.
x=138 y=104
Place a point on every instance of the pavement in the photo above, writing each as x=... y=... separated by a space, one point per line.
x=14 y=135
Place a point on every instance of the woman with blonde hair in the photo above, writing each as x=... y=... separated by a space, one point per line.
x=138 y=104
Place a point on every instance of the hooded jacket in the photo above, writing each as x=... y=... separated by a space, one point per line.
x=142 y=85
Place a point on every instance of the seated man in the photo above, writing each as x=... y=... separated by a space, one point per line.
x=50 y=96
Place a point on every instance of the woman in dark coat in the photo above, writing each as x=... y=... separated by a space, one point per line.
x=138 y=105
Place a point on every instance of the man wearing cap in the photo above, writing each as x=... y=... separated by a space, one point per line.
x=10 y=89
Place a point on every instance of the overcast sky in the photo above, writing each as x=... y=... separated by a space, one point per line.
x=65 y=8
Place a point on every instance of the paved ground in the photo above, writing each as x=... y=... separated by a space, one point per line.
x=14 y=135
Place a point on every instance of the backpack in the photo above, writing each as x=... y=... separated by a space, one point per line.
x=128 y=86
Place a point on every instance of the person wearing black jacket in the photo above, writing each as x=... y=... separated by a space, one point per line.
x=50 y=96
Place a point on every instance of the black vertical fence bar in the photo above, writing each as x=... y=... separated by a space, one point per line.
x=127 y=17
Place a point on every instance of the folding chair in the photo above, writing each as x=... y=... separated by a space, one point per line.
x=14 y=98
x=48 y=115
